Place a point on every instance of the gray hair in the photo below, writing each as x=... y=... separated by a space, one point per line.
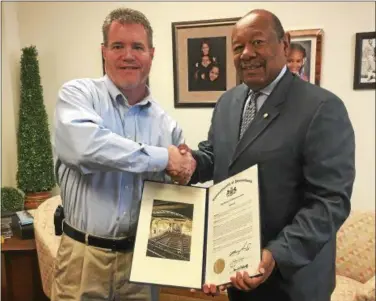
x=127 y=16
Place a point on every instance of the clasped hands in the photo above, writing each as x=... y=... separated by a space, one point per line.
x=181 y=164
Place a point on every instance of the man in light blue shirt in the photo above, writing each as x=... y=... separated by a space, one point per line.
x=110 y=136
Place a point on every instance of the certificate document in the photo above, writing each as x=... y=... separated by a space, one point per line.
x=188 y=236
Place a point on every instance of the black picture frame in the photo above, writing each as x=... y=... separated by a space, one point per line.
x=364 y=77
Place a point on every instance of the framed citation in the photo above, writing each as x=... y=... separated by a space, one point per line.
x=188 y=236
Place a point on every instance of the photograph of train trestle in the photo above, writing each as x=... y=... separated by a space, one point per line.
x=170 y=231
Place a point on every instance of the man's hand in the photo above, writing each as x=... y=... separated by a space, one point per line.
x=184 y=149
x=245 y=283
x=180 y=166
x=211 y=289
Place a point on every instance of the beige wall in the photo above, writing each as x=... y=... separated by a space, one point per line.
x=68 y=37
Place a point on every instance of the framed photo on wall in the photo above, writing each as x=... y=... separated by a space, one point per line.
x=202 y=61
x=364 y=64
x=305 y=54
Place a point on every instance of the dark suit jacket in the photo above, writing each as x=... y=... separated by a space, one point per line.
x=305 y=149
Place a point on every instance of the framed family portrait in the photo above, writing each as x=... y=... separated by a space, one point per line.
x=364 y=64
x=304 y=58
x=202 y=61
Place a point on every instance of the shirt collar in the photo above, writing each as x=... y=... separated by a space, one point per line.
x=268 y=89
x=119 y=98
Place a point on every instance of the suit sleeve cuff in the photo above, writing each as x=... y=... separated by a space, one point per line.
x=282 y=263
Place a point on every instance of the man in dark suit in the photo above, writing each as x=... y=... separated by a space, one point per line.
x=302 y=140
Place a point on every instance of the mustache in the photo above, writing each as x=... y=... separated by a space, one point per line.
x=254 y=64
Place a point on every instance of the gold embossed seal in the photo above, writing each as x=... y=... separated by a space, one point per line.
x=219 y=266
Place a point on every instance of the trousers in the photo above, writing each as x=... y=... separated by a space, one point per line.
x=87 y=273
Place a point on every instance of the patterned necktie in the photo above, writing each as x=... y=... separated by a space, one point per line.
x=250 y=112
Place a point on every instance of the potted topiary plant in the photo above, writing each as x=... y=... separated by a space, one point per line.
x=35 y=174
x=12 y=199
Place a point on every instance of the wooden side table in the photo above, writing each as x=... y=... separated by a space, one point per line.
x=23 y=280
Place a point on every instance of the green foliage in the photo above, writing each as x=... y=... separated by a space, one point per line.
x=35 y=163
x=12 y=199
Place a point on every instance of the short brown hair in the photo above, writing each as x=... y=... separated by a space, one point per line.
x=127 y=16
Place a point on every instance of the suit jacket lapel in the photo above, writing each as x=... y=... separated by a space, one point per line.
x=268 y=112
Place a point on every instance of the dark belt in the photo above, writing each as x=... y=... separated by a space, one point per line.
x=125 y=244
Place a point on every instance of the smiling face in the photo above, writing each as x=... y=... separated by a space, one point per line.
x=127 y=55
x=205 y=49
x=205 y=61
x=213 y=73
x=295 y=61
x=259 y=55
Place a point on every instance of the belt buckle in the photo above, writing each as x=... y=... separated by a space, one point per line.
x=87 y=239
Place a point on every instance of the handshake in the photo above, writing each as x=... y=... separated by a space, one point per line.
x=181 y=164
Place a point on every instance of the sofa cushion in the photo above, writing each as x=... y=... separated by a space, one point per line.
x=47 y=242
x=368 y=291
x=346 y=289
x=356 y=247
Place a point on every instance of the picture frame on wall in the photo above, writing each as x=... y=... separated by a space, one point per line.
x=202 y=61
x=305 y=54
x=364 y=63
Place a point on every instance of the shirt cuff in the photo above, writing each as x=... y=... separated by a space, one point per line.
x=158 y=158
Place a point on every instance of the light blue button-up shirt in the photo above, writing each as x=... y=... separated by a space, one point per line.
x=105 y=149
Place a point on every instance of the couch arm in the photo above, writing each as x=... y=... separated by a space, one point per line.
x=367 y=293
x=356 y=247
x=47 y=242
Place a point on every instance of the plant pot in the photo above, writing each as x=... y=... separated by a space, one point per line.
x=33 y=200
